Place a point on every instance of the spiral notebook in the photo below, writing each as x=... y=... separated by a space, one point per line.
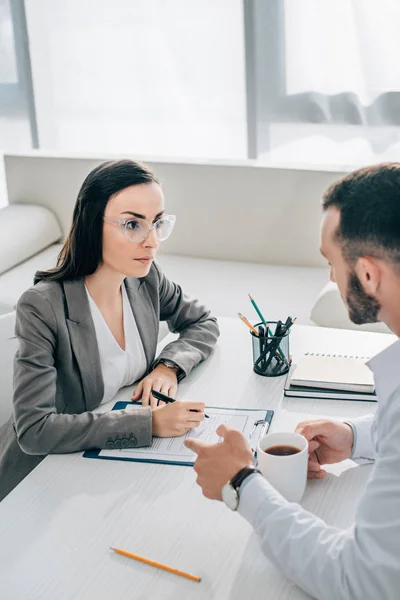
x=334 y=373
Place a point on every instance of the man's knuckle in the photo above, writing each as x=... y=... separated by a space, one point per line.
x=233 y=436
x=305 y=429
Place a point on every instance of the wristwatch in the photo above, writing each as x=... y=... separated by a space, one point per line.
x=230 y=491
x=168 y=363
x=171 y=365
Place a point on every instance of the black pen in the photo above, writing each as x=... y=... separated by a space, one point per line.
x=261 y=341
x=278 y=329
x=165 y=398
x=288 y=324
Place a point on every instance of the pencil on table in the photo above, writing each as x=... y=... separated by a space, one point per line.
x=153 y=563
x=249 y=325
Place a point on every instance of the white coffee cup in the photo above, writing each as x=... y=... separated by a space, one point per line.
x=288 y=474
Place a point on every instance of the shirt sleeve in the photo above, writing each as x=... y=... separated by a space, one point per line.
x=326 y=562
x=362 y=428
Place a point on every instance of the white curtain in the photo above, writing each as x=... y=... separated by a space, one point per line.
x=15 y=131
x=342 y=46
x=148 y=77
x=330 y=92
x=8 y=63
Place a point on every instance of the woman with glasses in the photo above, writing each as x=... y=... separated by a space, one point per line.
x=89 y=327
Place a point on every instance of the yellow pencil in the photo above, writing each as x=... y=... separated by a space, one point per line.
x=153 y=563
x=249 y=325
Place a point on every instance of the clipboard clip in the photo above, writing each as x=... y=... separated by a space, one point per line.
x=264 y=430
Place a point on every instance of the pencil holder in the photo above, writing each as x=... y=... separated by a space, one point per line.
x=270 y=351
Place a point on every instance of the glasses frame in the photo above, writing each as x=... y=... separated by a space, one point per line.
x=123 y=224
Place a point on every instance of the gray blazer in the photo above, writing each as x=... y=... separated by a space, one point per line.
x=57 y=372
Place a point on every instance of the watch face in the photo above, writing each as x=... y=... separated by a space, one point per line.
x=169 y=364
x=230 y=496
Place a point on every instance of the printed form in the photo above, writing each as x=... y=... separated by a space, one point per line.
x=173 y=450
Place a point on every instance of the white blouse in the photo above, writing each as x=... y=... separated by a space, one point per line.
x=119 y=367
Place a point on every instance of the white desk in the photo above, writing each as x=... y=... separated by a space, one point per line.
x=57 y=525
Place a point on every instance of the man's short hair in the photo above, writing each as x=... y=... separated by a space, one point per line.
x=369 y=203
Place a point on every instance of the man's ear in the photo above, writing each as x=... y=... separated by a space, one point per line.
x=369 y=272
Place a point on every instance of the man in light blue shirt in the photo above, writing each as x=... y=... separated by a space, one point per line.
x=360 y=238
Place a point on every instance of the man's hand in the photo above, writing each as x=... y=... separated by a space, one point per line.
x=216 y=464
x=328 y=442
x=161 y=379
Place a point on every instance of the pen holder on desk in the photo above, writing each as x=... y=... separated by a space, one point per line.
x=270 y=353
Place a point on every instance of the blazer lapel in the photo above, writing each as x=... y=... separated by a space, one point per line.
x=83 y=342
x=145 y=316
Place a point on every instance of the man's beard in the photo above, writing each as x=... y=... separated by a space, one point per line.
x=362 y=307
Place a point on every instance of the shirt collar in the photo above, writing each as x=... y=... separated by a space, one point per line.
x=385 y=367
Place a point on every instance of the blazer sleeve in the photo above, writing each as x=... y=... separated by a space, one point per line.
x=198 y=330
x=40 y=429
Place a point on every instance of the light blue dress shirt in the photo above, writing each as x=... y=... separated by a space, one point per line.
x=362 y=562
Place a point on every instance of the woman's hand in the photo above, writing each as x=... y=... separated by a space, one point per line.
x=161 y=379
x=172 y=420
x=328 y=442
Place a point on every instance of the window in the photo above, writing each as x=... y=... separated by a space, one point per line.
x=147 y=77
x=315 y=81
x=17 y=122
x=327 y=82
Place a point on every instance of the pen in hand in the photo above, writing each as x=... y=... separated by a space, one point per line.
x=167 y=399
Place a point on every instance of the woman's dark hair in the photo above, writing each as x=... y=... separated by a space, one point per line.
x=81 y=253
x=369 y=204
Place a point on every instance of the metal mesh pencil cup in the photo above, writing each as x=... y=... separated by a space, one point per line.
x=270 y=353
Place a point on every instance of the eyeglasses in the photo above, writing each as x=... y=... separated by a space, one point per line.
x=138 y=230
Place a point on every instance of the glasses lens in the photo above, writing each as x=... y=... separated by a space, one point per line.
x=135 y=231
x=163 y=227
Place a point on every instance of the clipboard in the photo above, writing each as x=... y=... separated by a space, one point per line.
x=259 y=428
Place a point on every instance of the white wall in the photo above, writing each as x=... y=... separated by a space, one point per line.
x=157 y=77
x=15 y=135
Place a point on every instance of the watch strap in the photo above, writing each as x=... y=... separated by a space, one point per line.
x=170 y=364
x=238 y=479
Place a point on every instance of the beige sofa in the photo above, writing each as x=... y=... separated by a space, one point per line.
x=232 y=237
x=241 y=228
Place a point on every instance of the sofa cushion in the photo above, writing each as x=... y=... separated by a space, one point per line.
x=15 y=281
x=25 y=230
x=223 y=286
x=330 y=311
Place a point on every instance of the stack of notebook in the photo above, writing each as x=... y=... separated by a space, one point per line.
x=336 y=377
